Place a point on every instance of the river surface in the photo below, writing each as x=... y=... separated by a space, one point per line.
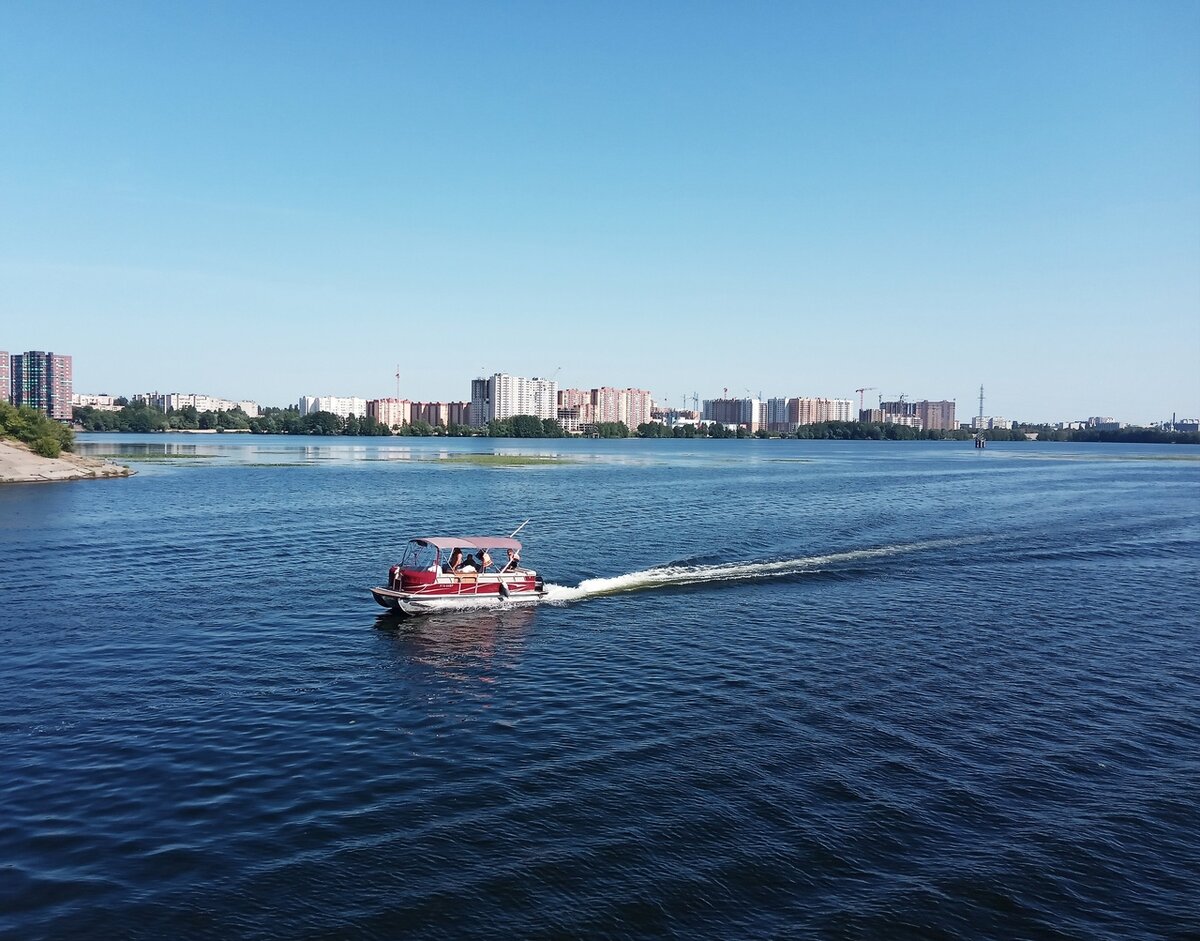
x=793 y=689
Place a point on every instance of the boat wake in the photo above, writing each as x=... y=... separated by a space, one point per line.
x=672 y=576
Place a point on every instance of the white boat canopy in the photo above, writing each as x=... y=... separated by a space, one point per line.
x=469 y=542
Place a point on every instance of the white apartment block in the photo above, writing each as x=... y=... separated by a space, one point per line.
x=174 y=401
x=103 y=403
x=777 y=415
x=343 y=406
x=516 y=395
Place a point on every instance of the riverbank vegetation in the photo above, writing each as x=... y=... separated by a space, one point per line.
x=43 y=434
x=141 y=418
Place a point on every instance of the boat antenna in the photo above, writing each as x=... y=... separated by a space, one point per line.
x=519 y=528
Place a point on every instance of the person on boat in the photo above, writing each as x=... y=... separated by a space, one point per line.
x=513 y=563
x=483 y=560
x=454 y=564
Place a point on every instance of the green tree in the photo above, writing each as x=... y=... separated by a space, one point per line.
x=322 y=423
x=36 y=429
x=526 y=426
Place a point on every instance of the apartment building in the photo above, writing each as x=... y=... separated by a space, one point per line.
x=809 y=410
x=391 y=412
x=749 y=413
x=928 y=415
x=502 y=396
x=42 y=381
x=343 y=406
x=174 y=401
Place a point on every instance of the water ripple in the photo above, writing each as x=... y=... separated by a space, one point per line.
x=877 y=691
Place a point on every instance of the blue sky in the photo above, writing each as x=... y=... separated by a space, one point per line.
x=274 y=199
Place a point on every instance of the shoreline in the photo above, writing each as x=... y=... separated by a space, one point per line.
x=19 y=465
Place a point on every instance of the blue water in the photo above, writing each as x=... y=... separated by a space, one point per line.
x=784 y=689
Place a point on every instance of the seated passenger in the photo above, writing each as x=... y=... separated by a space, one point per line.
x=483 y=560
x=454 y=564
x=513 y=562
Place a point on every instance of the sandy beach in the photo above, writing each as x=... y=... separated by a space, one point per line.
x=18 y=464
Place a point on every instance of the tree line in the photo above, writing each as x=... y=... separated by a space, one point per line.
x=141 y=418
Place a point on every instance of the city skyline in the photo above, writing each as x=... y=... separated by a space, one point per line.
x=44 y=380
x=918 y=199
x=797 y=407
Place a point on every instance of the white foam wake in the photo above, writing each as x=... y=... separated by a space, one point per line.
x=679 y=575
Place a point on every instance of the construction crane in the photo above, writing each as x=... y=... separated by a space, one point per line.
x=397 y=380
x=695 y=401
x=860 y=394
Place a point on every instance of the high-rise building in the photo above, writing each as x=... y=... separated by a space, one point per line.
x=42 y=381
x=607 y=402
x=630 y=406
x=579 y=408
x=639 y=404
x=840 y=409
x=746 y=412
x=503 y=396
x=481 y=402
x=5 y=378
x=390 y=412
x=458 y=413
x=575 y=410
x=778 y=415
x=809 y=410
x=936 y=415
x=928 y=415
x=343 y=406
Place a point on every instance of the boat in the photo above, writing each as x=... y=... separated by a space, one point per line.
x=439 y=573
